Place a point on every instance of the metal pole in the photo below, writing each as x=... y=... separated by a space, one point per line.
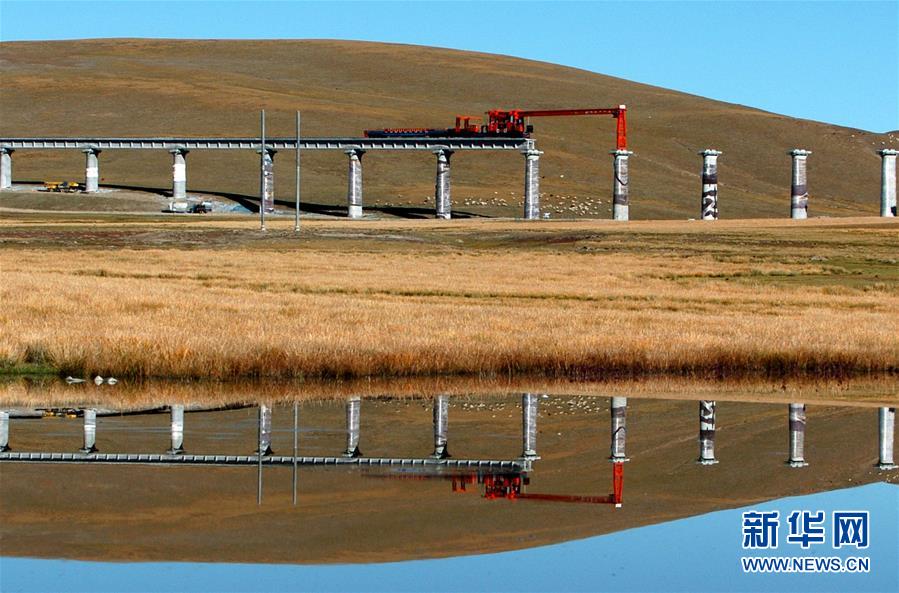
x=296 y=216
x=90 y=431
x=259 y=461
x=707 y=410
x=296 y=414
x=529 y=425
x=441 y=421
x=4 y=430
x=262 y=175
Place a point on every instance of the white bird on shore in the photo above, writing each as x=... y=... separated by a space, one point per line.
x=98 y=380
x=72 y=380
x=111 y=381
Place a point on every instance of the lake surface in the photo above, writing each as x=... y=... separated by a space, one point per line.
x=398 y=478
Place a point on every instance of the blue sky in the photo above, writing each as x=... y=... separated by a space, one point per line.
x=829 y=61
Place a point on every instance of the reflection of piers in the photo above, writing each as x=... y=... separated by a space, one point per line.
x=619 y=430
x=529 y=425
x=886 y=429
x=441 y=423
x=797 y=436
x=4 y=431
x=353 y=420
x=177 y=447
x=265 y=430
x=707 y=411
x=90 y=431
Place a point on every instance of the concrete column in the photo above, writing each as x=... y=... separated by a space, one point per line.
x=529 y=425
x=887 y=181
x=619 y=430
x=177 y=447
x=707 y=411
x=441 y=422
x=531 y=183
x=442 y=184
x=353 y=420
x=799 y=186
x=354 y=183
x=886 y=426
x=620 y=199
x=265 y=430
x=90 y=431
x=6 y=167
x=179 y=173
x=709 y=208
x=797 y=436
x=91 y=169
x=4 y=431
x=267 y=180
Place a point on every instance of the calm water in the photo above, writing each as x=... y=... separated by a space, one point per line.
x=386 y=480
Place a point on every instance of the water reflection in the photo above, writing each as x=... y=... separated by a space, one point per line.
x=196 y=482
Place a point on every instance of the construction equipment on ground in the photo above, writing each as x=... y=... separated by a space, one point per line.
x=506 y=123
x=63 y=186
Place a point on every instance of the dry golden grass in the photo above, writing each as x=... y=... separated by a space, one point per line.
x=580 y=300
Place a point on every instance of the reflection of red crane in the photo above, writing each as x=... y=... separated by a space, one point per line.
x=512 y=486
x=502 y=123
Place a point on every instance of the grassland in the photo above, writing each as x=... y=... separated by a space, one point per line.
x=146 y=298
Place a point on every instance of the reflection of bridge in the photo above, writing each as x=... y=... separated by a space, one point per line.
x=439 y=459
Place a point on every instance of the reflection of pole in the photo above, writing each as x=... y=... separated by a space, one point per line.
x=90 y=431
x=262 y=163
x=296 y=416
x=353 y=419
x=619 y=430
x=177 y=447
x=260 y=448
x=707 y=411
x=441 y=423
x=529 y=425
x=4 y=431
x=797 y=436
x=887 y=425
x=296 y=215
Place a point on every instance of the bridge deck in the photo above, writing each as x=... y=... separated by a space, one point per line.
x=271 y=143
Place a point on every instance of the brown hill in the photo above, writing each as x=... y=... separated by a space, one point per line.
x=215 y=88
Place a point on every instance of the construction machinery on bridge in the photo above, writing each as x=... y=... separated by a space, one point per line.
x=506 y=123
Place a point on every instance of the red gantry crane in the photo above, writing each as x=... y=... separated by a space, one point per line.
x=502 y=123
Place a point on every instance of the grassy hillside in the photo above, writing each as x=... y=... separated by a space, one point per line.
x=161 y=87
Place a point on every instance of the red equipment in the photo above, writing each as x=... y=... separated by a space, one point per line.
x=506 y=124
x=512 y=123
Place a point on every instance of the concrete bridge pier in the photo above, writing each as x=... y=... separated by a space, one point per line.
x=90 y=431
x=441 y=424
x=709 y=208
x=620 y=198
x=887 y=181
x=6 y=167
x=177 y=447
x=442 y=184
x=354 y=183
x=529 y=425
x=91 y=169
x=4 y=431
x=707 y=410
x=267 y=179
x=265 y=430
x=353 y=421
x=179 y=173
x=532 y=183
x=799 y=185
x=619 y=430
x=886 y=425
x=797 y=436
